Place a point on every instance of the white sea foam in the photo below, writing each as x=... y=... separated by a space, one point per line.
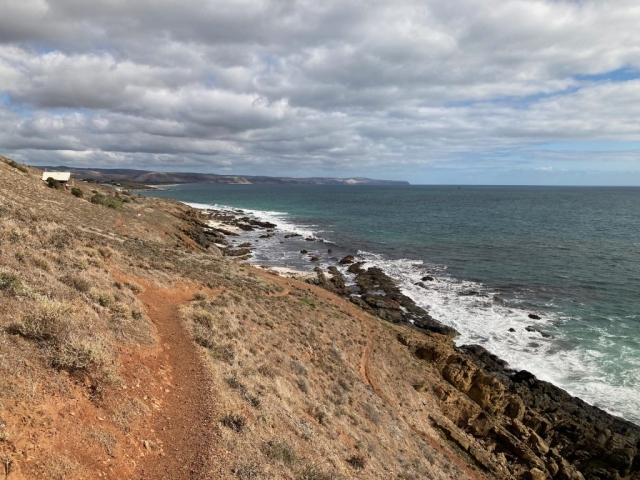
x=279 y=218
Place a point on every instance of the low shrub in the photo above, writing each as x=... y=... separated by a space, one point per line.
x=105 y=252
x=204 y=318
x=104 y=299
x=358 y=462
x=77 y=192
x=279 y=451
x=79 y=354
x=234 y=422
x=10 y=283
x=110 y=202
x=267 y=371
x=53 y=183
x=48 y=322
x=251 y=471
x=133 y=286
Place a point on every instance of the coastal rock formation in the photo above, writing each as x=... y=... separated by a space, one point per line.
x=381 y=296
x=239 y=252
x=195 y=228
x=532 y=428
x=347 y=260
x=337 y=279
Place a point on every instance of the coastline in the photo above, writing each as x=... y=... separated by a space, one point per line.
x=511 y=411
x=159 y=353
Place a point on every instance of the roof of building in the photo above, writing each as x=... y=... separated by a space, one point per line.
x=60 y=176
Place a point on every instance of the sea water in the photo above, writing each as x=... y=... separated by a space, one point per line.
x=570 y=255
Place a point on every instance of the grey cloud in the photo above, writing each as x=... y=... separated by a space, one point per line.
x=274 y=85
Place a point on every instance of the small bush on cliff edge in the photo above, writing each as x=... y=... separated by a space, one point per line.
x=76 y=192
x=53 y=183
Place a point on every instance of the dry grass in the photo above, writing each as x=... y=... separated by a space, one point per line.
x=295 y=378
x=48 y=322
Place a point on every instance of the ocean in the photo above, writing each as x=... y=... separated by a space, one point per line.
x=570 y=255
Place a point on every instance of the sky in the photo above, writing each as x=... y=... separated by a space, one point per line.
x=430 y=91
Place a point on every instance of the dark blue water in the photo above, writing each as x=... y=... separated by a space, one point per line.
x=571 y=255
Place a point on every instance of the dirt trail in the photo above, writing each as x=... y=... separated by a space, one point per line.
x=180 y=428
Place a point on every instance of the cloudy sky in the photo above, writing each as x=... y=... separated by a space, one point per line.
x=432 y=91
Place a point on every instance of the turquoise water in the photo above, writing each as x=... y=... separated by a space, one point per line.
x=570 y=255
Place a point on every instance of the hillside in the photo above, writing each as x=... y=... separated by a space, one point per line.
x=166 y=178
x=132 y=348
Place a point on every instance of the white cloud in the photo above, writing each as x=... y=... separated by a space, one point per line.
x=271 y=85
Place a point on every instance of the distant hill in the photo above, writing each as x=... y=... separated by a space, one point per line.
x=164 y=178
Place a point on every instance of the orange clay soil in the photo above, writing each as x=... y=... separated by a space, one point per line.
x=179 y=445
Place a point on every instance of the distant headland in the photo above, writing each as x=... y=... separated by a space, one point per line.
x=148 y=177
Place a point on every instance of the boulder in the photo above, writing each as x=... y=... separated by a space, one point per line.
x=533 y=316
x=337 y=279
x=240 y=252
x=355 y=268
x=349 y=259
x=515 y=408
x=469 y=293
x=531 y=328
x=488 y=393
x=534 y=474
x=460 y=372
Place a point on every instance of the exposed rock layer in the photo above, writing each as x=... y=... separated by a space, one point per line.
x=531 y=428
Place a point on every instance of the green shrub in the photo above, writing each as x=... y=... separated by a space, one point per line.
x=53 y=183
x=10 y=283
x=110 y=202
x=77 y=192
